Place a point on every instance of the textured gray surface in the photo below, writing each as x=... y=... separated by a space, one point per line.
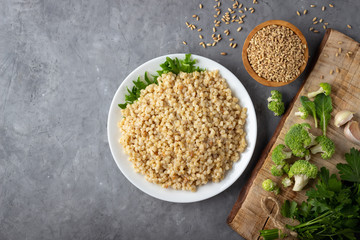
x=60 y=65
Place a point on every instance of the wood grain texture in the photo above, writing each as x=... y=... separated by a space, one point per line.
x=247 y=217
x=246 y=62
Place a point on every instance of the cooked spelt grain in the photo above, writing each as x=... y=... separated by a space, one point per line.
x=181 y=141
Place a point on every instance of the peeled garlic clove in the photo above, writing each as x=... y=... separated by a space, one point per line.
x=343 y=117
x=352 y=132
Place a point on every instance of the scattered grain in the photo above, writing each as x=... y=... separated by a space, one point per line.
x=337 y=70
x=316 y=31
x=340 y=42
x=312 y=5
x=314 y=19
x=298 y=13
x=231 y=39
x=185 y=43
x=199 y=30
x=349 y=26
x=321 y=20
x=331 y=72
x=323 y=8
x=200 y=6
x=305 y=11
x=201 y=36
x=239 y=29
x=331 y=5
x=348 y=54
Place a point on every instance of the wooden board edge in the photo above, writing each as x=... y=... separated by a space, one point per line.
x=244 y=191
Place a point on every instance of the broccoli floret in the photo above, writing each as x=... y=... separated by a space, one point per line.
x=324 y=88
x=286 y=182
x=286 y=168
x=275 y=103
x=279 y=155
x=325 y=146
x=302 y=113
x=302 y=171
x=277 y=170
x=298 y=139
x=270 y=186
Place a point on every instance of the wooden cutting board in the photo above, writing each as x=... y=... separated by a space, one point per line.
x=247 y=217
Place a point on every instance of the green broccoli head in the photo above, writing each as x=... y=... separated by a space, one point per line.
x=276 y=104
x=277 y=170
x=270 y=186
x=324 y=88
x=286 y=168
x=286 y=182
x=298 y=139
x=275 y=96
x=302 y=171
x=279 y=155
x=325 y=146
x=302 y=113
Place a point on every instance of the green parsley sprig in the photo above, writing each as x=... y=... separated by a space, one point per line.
x=332 y=210
x=170 y=65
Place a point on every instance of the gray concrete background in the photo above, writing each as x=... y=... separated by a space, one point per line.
x=60 y=65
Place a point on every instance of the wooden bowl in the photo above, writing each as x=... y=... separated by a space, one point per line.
x=246 y=62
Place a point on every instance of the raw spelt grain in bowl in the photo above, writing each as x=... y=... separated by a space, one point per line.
x=184 y=132
x=276 y=53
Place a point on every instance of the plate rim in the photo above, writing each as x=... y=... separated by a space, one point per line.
x=200 y=198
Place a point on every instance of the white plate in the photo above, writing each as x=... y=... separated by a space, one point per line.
x=205 y=191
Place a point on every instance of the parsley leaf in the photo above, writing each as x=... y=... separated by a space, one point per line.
x=351 y=171
x=289 y=209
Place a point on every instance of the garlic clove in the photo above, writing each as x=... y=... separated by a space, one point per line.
x=352 y=132
x=343 y=117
